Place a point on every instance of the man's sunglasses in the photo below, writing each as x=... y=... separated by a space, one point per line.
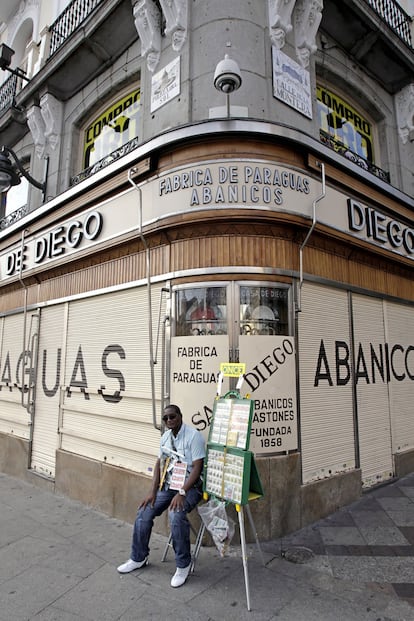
x=169 y=417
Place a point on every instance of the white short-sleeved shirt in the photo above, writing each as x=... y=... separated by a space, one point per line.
x=188 y=442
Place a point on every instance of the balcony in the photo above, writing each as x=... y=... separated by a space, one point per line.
x=343 y=150
x=395 y=17
x=377 y=34
x=86 y=38
x=8 y=92
x=68 y=21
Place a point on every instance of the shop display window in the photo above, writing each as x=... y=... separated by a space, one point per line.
x=263 y=310
x=202 y=310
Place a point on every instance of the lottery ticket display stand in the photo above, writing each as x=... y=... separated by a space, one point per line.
x=230 y=472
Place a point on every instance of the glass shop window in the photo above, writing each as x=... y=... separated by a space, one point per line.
x=202 y=310
x=263 y=310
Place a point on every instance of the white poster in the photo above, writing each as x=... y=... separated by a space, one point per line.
x=270 y=381
x=165 y=84
x=195 y=368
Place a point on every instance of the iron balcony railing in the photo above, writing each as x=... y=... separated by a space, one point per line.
x=68 y=21
x=13 y=217
x=343 y=150
x=395 y=17
x=8 y=93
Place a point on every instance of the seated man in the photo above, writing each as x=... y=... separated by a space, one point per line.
x=176 y=486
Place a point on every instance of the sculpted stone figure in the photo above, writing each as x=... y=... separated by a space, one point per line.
x=176 y=17
x=280 y=20
x=307 y=17
x=405 y=113
x=52 y=110
x=37 y=129
x=147 y=22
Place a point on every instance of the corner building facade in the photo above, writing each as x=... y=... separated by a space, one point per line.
x=182 y=227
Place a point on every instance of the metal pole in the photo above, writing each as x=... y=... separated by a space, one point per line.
x=244 y=554
x=148 y=264
x=305 y=241
x=253 y=527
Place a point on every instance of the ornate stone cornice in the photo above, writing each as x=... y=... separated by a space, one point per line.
x=405 y=113
x=148 y=24
x=176 y=18
x=280 y=20
x=307 y=17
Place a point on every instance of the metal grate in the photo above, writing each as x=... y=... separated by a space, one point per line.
x=7 y=93
x=395 y=17
x=68 y=21
x=342 y=149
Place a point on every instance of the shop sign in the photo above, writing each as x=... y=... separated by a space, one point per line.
x=78 y=234
x=270 y=381
x=380 y=363
x=252 y=184
x=195 y=376
x=382 y=229
x=291 y=83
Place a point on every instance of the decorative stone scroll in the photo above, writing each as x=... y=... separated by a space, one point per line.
x=45 y=124
x=176 y=17
x=405 y=113
x=280 y=20
x=148 y=24
x=37 y=129
x=52 y=113
x=307 y=17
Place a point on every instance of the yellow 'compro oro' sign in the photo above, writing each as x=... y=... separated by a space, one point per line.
x=233 y=369
x=114 y=127
x=340 y=119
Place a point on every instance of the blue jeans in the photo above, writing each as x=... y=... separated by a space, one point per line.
x=179 y=524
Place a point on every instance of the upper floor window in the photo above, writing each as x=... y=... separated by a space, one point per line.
x=111 y=129
x=17 y=196
x=340 y=120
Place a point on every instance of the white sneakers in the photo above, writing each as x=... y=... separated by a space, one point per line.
x=177 y=580
x=131 y=565
x=180 y=576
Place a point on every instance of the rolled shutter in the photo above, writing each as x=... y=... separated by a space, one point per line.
x=48 y=385
x=373 y=412
x=400 y=338
x=326 y=411
x=107 y=406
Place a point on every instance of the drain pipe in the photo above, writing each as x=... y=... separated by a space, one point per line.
x=131 y=172
x=24 y=314
x=305 y=241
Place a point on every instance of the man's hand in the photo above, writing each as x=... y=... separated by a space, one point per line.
x=177 y=503
x=149 y=500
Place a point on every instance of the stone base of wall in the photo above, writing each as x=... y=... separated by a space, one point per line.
x=14 y=456
x=286 y=506
x=404 y=463
x=321 y=498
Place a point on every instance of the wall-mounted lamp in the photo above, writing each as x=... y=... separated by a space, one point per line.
x=6 y=54
x=9 y=176
x=227 y=78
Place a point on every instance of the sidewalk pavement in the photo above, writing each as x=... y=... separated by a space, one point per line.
x=58 y=562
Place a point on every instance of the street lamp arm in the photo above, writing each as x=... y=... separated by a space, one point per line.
x=37 y=184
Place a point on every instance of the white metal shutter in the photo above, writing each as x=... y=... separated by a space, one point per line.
x=48 y=386
x=14 y=418
x=400 y=333
x=119 y=432
x=374 y=431
x=326 y=412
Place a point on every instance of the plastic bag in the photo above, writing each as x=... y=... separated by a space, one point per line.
x=219 y=525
